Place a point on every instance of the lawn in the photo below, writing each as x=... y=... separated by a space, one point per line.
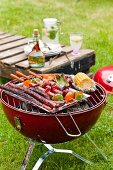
x=95 y=20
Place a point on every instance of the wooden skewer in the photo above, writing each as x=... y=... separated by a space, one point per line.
x=17 y=78
x=22 y=75
x=34 y=74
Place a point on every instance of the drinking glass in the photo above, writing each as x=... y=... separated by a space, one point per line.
x=76 y=40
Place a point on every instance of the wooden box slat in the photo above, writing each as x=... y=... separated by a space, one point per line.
x=14 y=59
x=62 y=61
x=5 y=35
x=58 y=62
x=11 y=52
x=67 y=49
x=7 y=70
x=13 y=44
x=1 y=33
x=23 y=64
x=10 y=39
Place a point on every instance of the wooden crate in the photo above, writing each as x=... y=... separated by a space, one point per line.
x=13 y=58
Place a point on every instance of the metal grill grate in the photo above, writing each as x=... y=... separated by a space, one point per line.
x=17 y=102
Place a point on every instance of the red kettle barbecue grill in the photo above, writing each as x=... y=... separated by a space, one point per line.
x=61 y=127
x=104 y=76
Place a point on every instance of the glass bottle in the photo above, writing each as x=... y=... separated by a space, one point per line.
x=36 y=58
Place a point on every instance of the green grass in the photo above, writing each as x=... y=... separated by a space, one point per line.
x=94 y=19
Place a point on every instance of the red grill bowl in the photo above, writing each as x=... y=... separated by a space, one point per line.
x=45 y=127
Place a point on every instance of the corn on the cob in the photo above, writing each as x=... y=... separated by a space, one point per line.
x=83 y=81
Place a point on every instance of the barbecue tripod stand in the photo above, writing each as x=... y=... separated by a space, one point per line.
x=53 y=150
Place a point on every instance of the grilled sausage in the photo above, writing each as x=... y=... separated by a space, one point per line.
x=41 y=92
x=22 y=75
x=17 y=78
x=34 y=74
x=25 y=96
x=35 y=95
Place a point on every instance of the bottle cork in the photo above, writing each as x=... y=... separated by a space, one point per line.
x=35 y=32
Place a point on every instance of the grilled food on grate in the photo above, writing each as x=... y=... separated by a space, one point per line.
x=50 y=92
x=83 y=82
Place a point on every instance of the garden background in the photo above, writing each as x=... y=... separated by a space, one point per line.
x=94 y=18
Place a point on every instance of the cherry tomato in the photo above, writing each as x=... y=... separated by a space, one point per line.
x=27 y=83
x=69 y=97
x=48 y=89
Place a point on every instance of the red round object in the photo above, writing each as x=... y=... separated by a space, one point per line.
x=104 y=76
x=45 y=127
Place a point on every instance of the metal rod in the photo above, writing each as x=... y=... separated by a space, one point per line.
x=73 y=153
x=94 y=99
x=76 y=135
x=27 y=155
x=53 y=58
x=71 y=62
x=99 y=150
x=98 y=97
x=41 y=159
x=52 y=150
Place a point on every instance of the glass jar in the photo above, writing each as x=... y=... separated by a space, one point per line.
x=50 y=31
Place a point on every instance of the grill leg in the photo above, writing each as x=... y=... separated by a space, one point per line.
x=99 y=150
x=27 y=155
x=52 y=150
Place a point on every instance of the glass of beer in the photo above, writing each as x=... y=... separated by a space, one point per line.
x=76 y=40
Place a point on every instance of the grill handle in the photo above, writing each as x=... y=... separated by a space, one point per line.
x=71 y=135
